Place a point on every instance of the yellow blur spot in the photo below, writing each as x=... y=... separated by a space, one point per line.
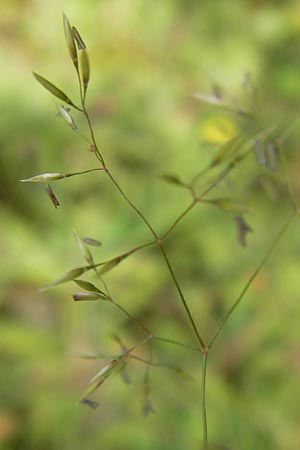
x=218 y=129
x=292 y=15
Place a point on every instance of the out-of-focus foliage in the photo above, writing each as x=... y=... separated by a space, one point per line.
x=148 y=60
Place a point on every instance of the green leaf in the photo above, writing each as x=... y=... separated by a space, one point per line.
x=86 y=285
x=172 y=179
x=182 y=373
x=226 y=204
x=89 y=287
x=70 y=41
x=68 y=276
x=110 y=265
x=113 y=367
x=53 y=89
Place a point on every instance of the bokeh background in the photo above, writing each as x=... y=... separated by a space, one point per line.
x=148 y=59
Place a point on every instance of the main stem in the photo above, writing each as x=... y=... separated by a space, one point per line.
x=203 y=400
x=160 y=244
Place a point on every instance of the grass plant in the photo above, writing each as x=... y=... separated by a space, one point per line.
x=255 y=139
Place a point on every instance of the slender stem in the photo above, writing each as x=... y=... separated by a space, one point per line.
x=251 y=279
x=171 y=341
x=97 y=152
x=141 y=215
x=124 y=255
x=203 y=401
x=130 y=203
x=76 y=107
x=147 y=339
x=123 y=310
x=182 y=215
x=181 y=295
x=219 y=178
x=150 y=363
x=109 y=174
x=81 y=173
x=199 y=175
x=131 y=317
x=294 y=125
x=196 y=199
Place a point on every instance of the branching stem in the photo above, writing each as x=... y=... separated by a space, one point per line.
x=143 y=218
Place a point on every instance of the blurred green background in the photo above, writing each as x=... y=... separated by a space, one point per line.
x=148 y=59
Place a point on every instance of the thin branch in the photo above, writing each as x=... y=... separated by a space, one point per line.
x=143 y=218
x=196 y=199
x=251 y=279
x=180 y=344
x=131 y=317
x=186 y=307
x=152 y=364
x=179 y=218
x=123 y=255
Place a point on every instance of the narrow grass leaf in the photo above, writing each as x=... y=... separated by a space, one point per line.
x=226 y=204
x=68 y=276
x=112 y=368
x=86 y=285
x=182 y=373
x=90 y=287
x=53 y=89
x=70 y=41
x=172 y=179
x=110 y=265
